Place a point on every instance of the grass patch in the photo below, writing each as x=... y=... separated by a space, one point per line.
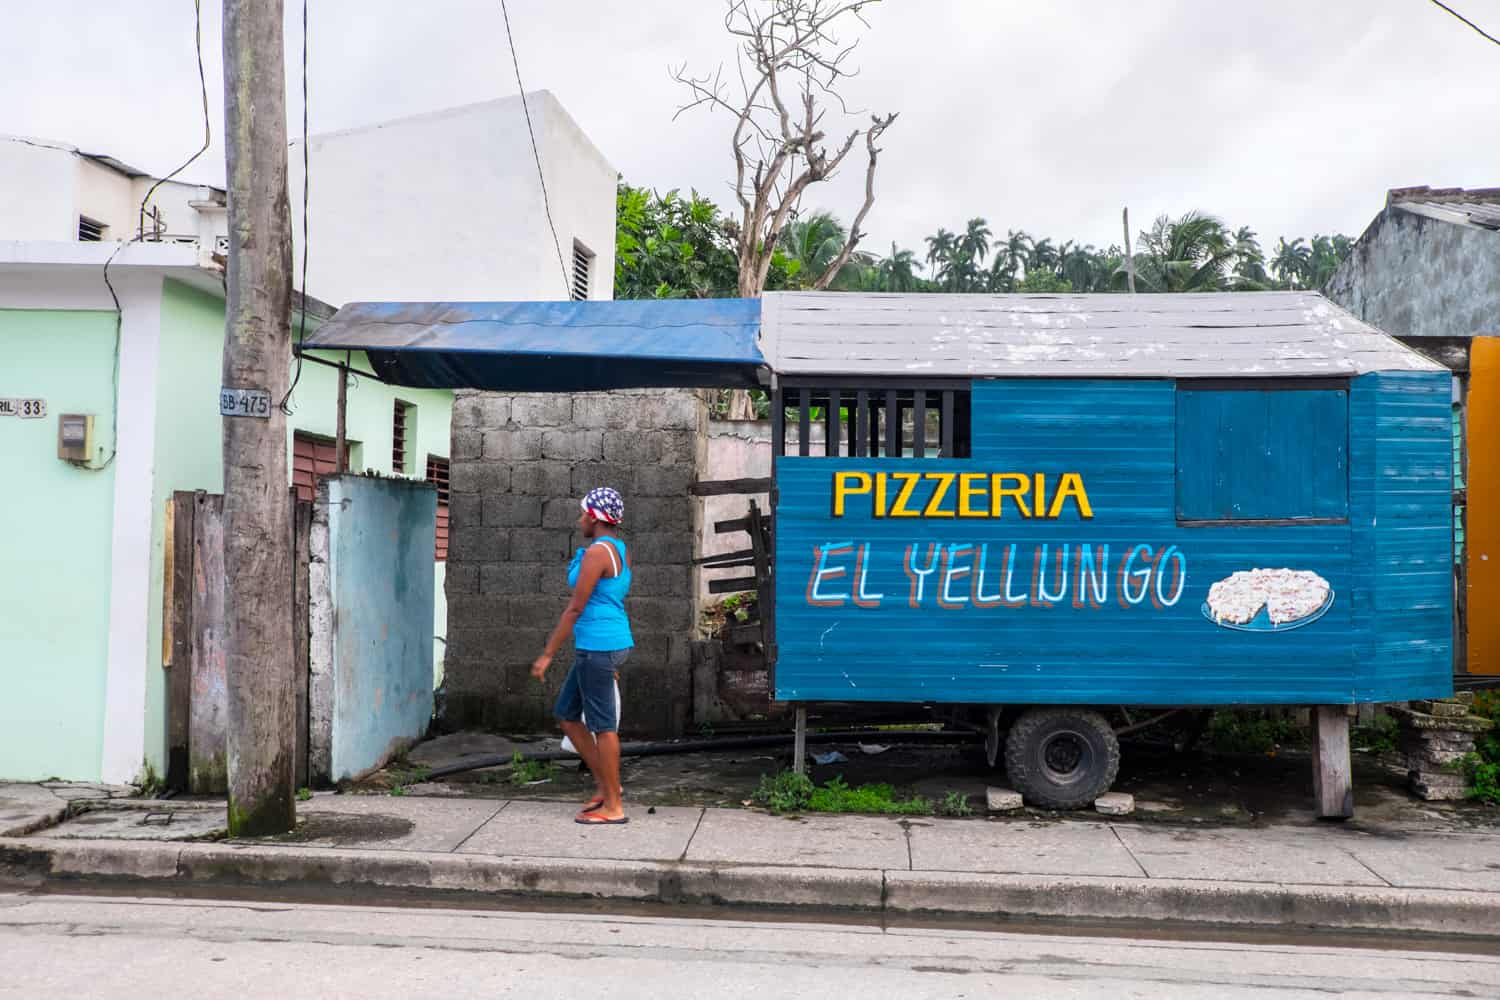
x=789 y=792
x=525 y=772
x=955 y=804
x=303 y=794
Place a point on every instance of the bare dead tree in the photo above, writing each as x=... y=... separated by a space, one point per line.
x=791 y=65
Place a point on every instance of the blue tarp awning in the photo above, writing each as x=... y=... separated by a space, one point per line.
x=553 y=346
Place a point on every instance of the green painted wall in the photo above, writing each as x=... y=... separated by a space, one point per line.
x=55 y=551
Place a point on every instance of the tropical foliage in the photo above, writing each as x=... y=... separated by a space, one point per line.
x=670 y=246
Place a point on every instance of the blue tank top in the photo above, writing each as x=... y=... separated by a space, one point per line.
x=603 y=627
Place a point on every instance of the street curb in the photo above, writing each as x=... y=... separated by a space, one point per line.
x=826 y=890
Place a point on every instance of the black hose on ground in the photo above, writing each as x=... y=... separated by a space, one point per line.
x=708 y=746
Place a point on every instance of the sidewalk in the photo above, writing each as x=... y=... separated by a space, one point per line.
x=1322 y=876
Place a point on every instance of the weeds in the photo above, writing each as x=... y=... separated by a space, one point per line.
x=398 y=790
x=789 y=792
x=303 y=794
x=955 y=804
x=1231 y=731
x=1482 y=767
x=528 y=772
x=1378 y=737
x=151 y=783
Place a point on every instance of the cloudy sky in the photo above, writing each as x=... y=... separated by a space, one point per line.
x=1290 y=116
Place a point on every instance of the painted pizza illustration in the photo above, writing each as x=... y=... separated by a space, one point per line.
x=1268 y=600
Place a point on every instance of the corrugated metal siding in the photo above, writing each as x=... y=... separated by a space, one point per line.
x=1262 y=454
x=1242 y=334
x=1413 y=571
x=1120 y=437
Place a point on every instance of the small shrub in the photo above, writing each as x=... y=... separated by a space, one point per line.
x=1231 y=731
x=303 y=794
x=955 y=804
x=398 y=790
x=526 y=772
x=785 y=792
x=1482 y=767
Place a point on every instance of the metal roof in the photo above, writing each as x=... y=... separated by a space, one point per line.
x=1479 y=207
x=553 y=346
x=1230 y=334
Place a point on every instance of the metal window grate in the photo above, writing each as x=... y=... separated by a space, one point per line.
x=437 y=474
x=583 y=269
x=399 y=427
x=889 y=419
x=90 y=230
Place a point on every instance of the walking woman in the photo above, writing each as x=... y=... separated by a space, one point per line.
x=600 y=578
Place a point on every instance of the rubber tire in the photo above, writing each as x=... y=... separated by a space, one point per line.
x=1025 y=746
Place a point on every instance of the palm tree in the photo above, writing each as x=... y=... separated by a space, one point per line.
x=942 y=251
x=1080 y=266
x=814 y=242
x=1042 y=256
x=898 y=272
x=1249 y=262
x=1190 y=254
x=1291 y=262
x=973 y=246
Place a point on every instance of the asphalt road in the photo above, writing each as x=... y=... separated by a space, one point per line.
x=124 y=948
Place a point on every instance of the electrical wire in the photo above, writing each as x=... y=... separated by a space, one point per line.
x=535 y=154
x=1477 y=29
x=306 y=171
x=141 y=231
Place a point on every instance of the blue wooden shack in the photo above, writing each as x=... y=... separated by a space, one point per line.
x=1047 y=500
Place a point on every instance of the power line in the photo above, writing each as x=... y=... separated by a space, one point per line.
x=535 y=155
x=306 y=172
x=141 y=230
x=1478 y=30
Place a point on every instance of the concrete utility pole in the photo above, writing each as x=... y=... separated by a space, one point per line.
x=257 y=355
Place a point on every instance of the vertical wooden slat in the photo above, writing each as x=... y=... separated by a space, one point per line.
x=177 y=629
x=778 y=423
x=919 y=423
x=835 y=405
x=892 y=425
x=1333 y=783
x=208 y=703
x=947 y=423
x=861 y=439
x=301 y=631
x=804 y=422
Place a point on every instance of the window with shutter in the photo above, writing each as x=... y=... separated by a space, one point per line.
x=437 y=474
x=583 y=270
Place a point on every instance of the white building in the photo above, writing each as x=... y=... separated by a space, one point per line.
x=448 y=206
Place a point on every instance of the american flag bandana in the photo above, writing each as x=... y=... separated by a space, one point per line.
x=605 y=504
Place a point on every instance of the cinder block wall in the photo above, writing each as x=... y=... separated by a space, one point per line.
x=519 y=466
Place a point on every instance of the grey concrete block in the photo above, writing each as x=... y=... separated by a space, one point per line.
x=115 y=859
x=606 y=411
x=536 y=611
x=661 y=614
x=1002 y=800
x=560 y=513
x=512 y=510
x=519 y=445
x=509 y=578
x=483 y=644
x=465 y=510
x=466 y=611
x=542 y=410
x=662 y=547
x=662 y=581
x=461 y=578
x=679 y=408
x=661 y=514
x=589 y=475
x=539 y=545
x=480 y=410
x=573 y=446
x=664 y=481
x=478 y=544
x=467 y=444
x=1115 y=804
x=479 y=477
x=544 y=479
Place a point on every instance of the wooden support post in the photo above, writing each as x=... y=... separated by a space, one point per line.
x=1333 y=780
x=799 y=742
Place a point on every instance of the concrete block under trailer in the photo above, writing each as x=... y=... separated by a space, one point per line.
x=1065 y=555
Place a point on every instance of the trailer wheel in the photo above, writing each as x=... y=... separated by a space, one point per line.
x=1062 y=758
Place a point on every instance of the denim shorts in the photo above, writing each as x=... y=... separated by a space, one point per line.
x=588 y=692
